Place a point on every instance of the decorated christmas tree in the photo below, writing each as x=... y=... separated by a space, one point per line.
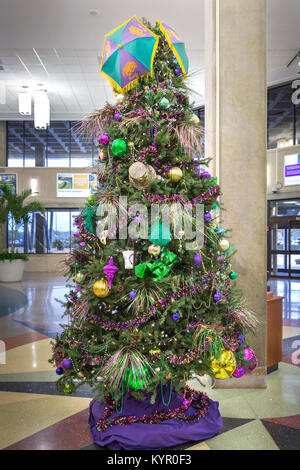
x=154 y=302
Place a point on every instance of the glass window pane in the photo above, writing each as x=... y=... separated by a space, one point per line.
x=15 y=236
x=58 y=231
x=58 y=144
x=81 y=150
x=280 y=116
x=15 y=143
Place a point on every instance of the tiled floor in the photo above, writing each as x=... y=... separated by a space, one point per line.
x=36 y=416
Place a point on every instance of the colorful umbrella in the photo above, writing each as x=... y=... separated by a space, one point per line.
x=176 y=45
x=128 y=54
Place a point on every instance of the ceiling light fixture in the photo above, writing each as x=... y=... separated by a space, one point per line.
x=41 y=109
x=25 y=101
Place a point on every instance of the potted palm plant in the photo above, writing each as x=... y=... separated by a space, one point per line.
x=14 y=211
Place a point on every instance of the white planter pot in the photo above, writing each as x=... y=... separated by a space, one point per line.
x=12 y=271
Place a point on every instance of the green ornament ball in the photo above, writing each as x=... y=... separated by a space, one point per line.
x=233 y=275
x=91 y=200
x=67 y=389
x=164 y=103
x=119 y=147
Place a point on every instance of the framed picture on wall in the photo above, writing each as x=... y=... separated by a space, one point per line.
x=292 y=170
x=9 y=179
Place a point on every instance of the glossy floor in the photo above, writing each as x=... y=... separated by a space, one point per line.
x=36 y=416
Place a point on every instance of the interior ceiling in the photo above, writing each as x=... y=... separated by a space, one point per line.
x=58 y=44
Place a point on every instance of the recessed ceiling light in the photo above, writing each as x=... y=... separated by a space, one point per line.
x=93 y=12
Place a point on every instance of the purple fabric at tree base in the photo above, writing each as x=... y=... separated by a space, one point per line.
x=138 y=436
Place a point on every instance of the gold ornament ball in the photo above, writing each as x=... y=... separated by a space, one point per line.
x=79 y=277
x=101 y=288
x=223 y=244
x=175 y=174
x=119 y=98
x=224 y=366
x=154 y=250
x=194 y=119
x=81 y=374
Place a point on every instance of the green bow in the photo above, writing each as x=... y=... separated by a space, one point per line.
x=89 y=213
x=156 y=269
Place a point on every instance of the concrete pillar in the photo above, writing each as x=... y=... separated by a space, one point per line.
x=3 y=143
x=236 y=125
x=39 y=153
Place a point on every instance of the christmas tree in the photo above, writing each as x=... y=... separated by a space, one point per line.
x=155 y=301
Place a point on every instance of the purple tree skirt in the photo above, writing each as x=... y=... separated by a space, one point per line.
x=137 y=436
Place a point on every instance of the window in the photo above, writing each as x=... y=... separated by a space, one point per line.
x=48 y=233
x=58 y=146
x=281 y=125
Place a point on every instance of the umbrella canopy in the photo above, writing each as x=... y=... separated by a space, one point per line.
x=176 y=45
x=128 y=54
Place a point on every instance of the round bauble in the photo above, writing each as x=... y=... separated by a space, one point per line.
x=248 y=354
x=224 y=366
x=79 y=277
x=194 y=119
x=91 y=200
x=101 y=288
x=154 y=250
x=233 y=275
x=67 y=389
x=175 y=174
x=117 y=117
x=205 y=175
x=103 y=139
x=239 y=372
x=223 y=244
x=67 y=364
x=140 y=174
x=177 y=72
x=132 y=295
x=175 y=316
x=119 y=147
x=59 y=371
x=81 y=374
x=207 y=217
x=119 y=98
x=164 y=103
x=197 y=260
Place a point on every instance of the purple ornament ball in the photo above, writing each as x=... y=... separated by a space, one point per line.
x=207 y=217
x=217 y=296
x=239 y=372
x=241 y=338
x=118 y=117
x=132 y=295
x=67 y=364
x=248 y=354
x=205 y=175
x=254 y=362
x=197 y=260
x=175 y=316
x=103 y=139
x=177 y=71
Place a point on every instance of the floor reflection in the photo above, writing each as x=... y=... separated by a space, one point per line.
x=290 y=290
